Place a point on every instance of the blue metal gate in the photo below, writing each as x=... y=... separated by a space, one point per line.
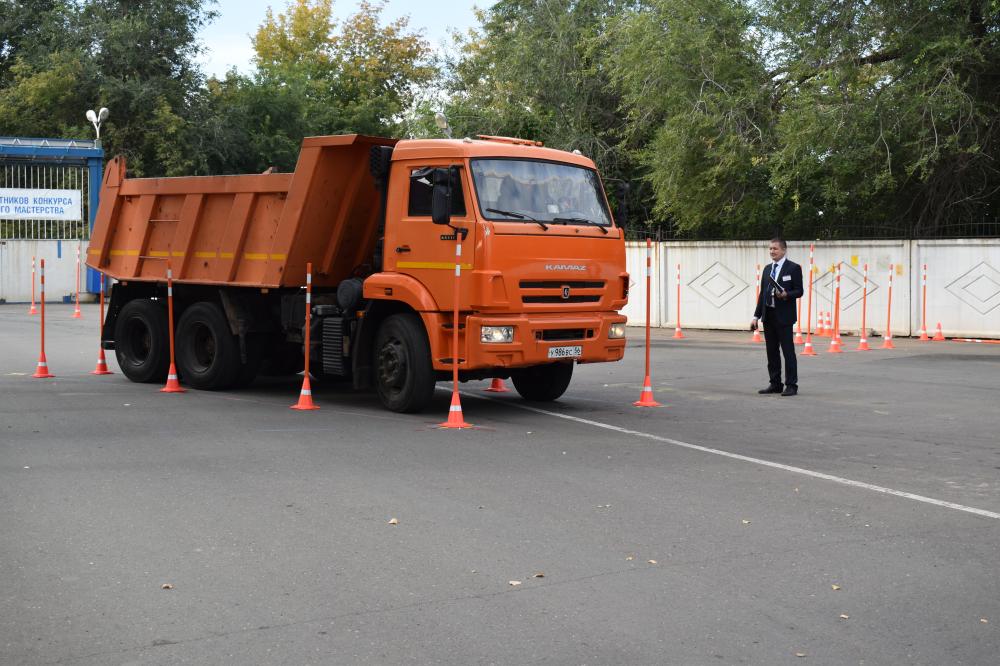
x=52 y=164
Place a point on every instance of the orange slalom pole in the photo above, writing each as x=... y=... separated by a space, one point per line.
x=102 y=363
x=835 y=344
x=887 y=338
x=33 y=310
x=305 y=402
x=172 y=385
x=808 y=349
x=923 y=307
x=456 y=419
x=863 y=343
x=678 y=333
x=646 y=399
x=76 y=310
x=760 y=323
x=42 y=369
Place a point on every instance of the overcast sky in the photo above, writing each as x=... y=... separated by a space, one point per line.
x=227 y=39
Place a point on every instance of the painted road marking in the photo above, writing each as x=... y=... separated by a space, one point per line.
x=750 y=459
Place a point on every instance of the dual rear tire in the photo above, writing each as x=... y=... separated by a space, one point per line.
x=207 y=353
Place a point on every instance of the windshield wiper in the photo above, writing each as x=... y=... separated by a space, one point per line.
x=579 y=220
x=519 y=216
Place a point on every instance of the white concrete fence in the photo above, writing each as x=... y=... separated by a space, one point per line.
x=60 y=267
x=718 y=283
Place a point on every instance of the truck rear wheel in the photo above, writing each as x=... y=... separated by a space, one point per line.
x=208 y=356
x=542 y=383
x=404 y=375
x=142 y=345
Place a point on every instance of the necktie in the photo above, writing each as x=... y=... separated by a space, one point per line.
x=774 y=277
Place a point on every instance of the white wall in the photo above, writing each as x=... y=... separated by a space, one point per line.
x=60 y=280
x=718 y=283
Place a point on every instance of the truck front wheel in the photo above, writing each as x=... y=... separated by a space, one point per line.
x=542 y=383
x=207 y=353
x=141 y=341
x=404 y=375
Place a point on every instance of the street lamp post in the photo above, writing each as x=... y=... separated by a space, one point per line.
x=96 y=119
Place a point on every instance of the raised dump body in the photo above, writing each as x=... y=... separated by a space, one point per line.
x=246 y=230
x=541 y=284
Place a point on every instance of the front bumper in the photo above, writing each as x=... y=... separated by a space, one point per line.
x=534 y=336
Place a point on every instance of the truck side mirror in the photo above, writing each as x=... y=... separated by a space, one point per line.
x=623 y=190
x=441 y=196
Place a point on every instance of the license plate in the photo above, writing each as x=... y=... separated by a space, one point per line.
x=565 y=352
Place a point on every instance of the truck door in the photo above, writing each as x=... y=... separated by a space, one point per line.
x=414 y=245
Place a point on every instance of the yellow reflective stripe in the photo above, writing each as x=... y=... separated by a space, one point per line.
x=226 y=255
x=165 y=253
x=262 y=256
x=124 y=253
x=205 y=255
x=435 y=265
x=93 y=250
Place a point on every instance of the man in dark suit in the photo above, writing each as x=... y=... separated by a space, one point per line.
x=780 y=285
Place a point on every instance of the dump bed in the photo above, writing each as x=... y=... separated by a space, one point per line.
x=248 y=230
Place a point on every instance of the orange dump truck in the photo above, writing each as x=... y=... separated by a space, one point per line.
x=543 y=267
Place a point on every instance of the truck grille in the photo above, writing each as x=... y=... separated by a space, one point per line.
x=555 y=291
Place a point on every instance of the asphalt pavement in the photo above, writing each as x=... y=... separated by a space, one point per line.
x=855 y=523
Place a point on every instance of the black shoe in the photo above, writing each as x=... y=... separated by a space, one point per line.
x=790 y=390
x=770 y=389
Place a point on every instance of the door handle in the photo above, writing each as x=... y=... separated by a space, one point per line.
x=403 y=248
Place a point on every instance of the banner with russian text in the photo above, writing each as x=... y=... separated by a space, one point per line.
x=33 y=204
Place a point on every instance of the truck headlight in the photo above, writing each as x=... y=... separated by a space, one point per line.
x=495 y=334
x=616 y=331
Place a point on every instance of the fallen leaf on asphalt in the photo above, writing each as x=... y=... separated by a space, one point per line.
x=746 y=522
x=167 y=586
x=984 y=620
x=539 y=575
x=834 y=587
x=844 y=616
x=513 y=583
x=393 y=521
x=800 y=654
x=651 y=561
x=630 y=558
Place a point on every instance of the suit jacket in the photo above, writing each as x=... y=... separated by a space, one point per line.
x=785 y=309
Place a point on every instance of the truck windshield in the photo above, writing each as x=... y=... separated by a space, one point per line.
x=533 y=191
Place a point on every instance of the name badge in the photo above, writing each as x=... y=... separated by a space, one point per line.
x=786 y=278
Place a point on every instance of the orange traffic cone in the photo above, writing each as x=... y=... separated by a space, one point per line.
x=863 y=343
x=678 y=333
x=835 y=346
x=305 y=402
x=830 y=333
x=808 y=349
x=497 y=386
x=923 y=334
x=887 y=341
x=33 y=310
x=938 y=336
x=756 y=335
x=102 y=364
x=172 y=386
x=76 y=310
x=42 y=371
x=455 y=418
x=820 y=330
x=646 y=400
x=798 y=338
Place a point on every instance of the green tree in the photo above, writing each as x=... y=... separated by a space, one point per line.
x=535 y=69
